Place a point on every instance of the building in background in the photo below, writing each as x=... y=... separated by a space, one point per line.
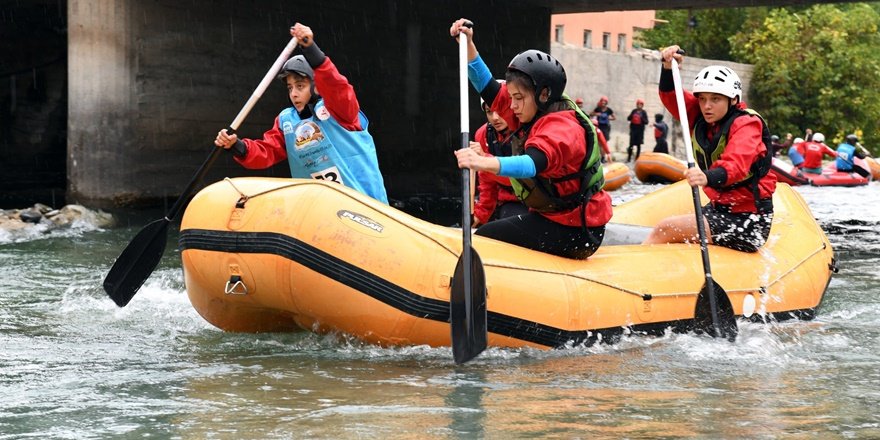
x=611 y=31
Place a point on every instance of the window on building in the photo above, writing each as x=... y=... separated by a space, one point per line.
x=621 y=42
x=606 y=40
x=560 y=33
x=588 y=38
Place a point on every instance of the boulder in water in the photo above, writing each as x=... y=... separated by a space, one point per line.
x=39 y=214
x=30 y=215
x=72 y=213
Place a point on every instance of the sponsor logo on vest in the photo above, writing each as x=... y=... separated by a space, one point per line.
x=360 y=219
x=308 y=134
x=323 y=114
x=287 y=127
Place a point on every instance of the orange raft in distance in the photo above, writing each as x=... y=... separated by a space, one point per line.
x=268 y=254
x=616 y=175
x=653 y=167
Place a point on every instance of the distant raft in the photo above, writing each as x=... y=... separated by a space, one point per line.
x=616 y=175
x=266 y=255
x=653 y=167
x=830 y=176
x=787 y=173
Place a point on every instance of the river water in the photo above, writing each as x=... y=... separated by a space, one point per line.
x=74 y=366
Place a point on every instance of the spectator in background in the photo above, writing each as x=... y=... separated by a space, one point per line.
x=606 y=152
x=661 y=130
x=605 y=116
x=638 y=119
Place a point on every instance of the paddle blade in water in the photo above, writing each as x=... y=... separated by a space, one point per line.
x=136 y=262
x=467 y=310
x=703 y=313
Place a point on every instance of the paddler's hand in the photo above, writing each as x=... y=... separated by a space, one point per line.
x=225 y=140
x=467 y=158
x=303 y=34
x=462 y=26
x=465 y=26
x=696 y=177
x=668 y=53
x=477 y=148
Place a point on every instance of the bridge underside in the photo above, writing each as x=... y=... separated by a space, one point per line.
x=116 y=102
x=574 y=6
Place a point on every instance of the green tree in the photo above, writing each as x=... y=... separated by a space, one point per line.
x=703 y=34
x=817 y=68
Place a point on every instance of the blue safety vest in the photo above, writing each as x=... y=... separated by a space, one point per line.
x=845 y=153
x=319 y=148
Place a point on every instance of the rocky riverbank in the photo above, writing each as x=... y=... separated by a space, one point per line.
x=47 y=218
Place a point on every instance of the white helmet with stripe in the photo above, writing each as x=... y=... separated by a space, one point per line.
x=718 y=79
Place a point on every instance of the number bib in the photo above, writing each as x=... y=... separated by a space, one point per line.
x=318 y=147
x=332 y=174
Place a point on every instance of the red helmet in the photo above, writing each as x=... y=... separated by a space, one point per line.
x=579 y=101
x=640 y=101
x=604 y=100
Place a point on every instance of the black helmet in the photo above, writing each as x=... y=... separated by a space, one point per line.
x=297 y=64
x=544 y=70
x=774 y=138
x=658 y=117
x=852 y=139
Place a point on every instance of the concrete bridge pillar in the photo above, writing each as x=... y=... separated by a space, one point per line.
x=100 y=138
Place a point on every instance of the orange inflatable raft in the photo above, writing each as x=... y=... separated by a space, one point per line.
x=653 y=167
x=616 y=175
x=264 y=254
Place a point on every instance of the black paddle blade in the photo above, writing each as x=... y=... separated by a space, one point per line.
x=467 y=310
x=136 y=262
x=703 y=314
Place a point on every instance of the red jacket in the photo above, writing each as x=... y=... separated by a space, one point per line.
x=744 y=147
x=561 y=138
x=493 y=189
x=339 y=99
x=813 y=152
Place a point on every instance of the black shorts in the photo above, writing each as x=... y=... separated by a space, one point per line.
x=509 y=209
x=744 y=231
x=534 y=231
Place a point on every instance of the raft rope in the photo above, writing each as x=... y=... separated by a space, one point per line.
x=649 y=296
x=645 y=296
x=244 y=197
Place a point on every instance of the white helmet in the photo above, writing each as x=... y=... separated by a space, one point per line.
x=797 y=141
x=718 y=79
x=818 y=137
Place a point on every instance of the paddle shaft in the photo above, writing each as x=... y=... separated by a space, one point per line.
x=698 y=208
x=242 y=114
x=465 y=172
